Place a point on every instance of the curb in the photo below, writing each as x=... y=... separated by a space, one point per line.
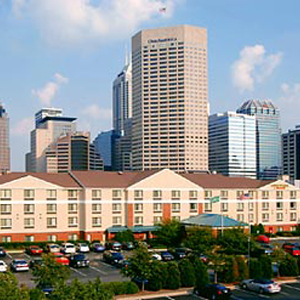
x=15 y=251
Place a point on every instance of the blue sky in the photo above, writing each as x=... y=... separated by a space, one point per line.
x=66 y=53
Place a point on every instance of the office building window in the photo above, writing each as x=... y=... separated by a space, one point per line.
x=279 y=205
x=96 y=208
x=117 y=221
x=265 y=217
x=96 y=194
x=240 y=207
x=157 y=220
x=175 y=207
x=157 y=207
x=116 y=208
x=72 y=221
x=72 y=208
x=5 y=194
x=293 y=205
x=157 y=194
x=96 y=222
x=193 y=195
x=29 y=238
x=73 y=194
x=138 y=195
x=6 y=239
x=28 y=194
x=224 y=195
x=250 y=217
x=240 y=217
x=279 y=217
x=208 y=194
x=51 y=222
x=265 y=195
x=5 y=209
x=6 y=223
x=52 y=238
x=250 y=206
x=293 y=195
x=73 y=237
x=279 y=194
x=207 y=206
x=28 y=209
x=265 y=206
x=293 y=216
x=224 y=206
x=51 y=194
x=116 y=194
x=138 y=208
x=138 y=220
x=29 y=223
x=51 y=208
x=175 y=195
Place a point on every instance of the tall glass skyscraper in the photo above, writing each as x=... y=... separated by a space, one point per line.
x=268 y=136
x=232 y=144
x=4 y=141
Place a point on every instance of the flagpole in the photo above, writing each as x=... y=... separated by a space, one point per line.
x=222 y=221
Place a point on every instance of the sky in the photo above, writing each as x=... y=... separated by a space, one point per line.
x=66 y=54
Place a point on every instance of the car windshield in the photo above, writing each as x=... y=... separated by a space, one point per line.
x=2 y=263
x=53 y=246
x=69 y=246
x=34 y=247
x=165 y=253
x=116 y=244
x=83 y=245
x=117 y=255
x=266 y=281
x=79 y=257
x=21 y=262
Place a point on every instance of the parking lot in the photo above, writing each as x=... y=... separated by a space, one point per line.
x=97 y=268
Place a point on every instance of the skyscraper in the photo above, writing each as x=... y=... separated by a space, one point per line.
x=268 y=136
x=232 y=144
x=103 y=146
x=50 y=125
x=4 y=141
x=170 y=99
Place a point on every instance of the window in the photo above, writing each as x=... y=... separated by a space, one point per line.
x=240 y=217
x=51 y=222
x=279 y=205
x=175 y=195
x=293 y=194
x=175 y=207
x=251 y=194
x=208 y=206
x=116 y=194
x=193 y=207
x=96 y=222
x=193 y=194
x=6 y=223
x=29 y=238
x=96 y=194
x=5 y=194
x=29 y=223
x=51 y=208
x=265 y=217
x=239 y=194
x=5 y=209
x=265 y=206
x=28 y=209
x=250 y=217
x=138 y=220
x=224 y=206
x=52 y=238
x=28 y=194
x=72 y=194
x=72 y=221
x=51 y=194
x=157 y=207
x=279 y=229
x=157 y=220
x=240 y=207
x=250 y=206
x=157 y=194
x=279 y=194
x=279 y=217
x=73 y=237
x=96 y=208
x=72 y=208
x=6 y=239
x=265 y=195
x=116 y=208
x=224 y=194
x=138 y=195
x=138 y=208
x=208 y=194
x=293 y=216
x=293 y=205
x=117 y=221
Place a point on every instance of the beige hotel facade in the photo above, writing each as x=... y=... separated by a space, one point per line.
x=85 y=204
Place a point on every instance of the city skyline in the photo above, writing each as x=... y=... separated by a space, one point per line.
x=41 y=67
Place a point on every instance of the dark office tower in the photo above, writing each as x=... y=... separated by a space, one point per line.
x=4 y=141
x=268 y=137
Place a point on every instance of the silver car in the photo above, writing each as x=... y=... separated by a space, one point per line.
x=261 y=286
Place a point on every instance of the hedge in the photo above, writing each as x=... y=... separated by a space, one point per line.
x=121 y=288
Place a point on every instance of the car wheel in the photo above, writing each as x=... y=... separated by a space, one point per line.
x=261 y=291
x=244 y=286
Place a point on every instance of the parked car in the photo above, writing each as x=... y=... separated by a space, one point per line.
x=3 y=266
x=214 y=291
x=79 y=260
x=116 y=246
x=61 y=259
x=166 y=256
x=156 y=256
x=19 y=265
x=128 y=246
x=36 y=262
x=113 y=257
x=98 y=247
x=266 y=248
x=261 y=285
x=2 y=252
x=181 y=253
x=292 y=248
x=263 y=239
x=34 y=250
x=83 y=248
x=68 y=248
x=53 y=248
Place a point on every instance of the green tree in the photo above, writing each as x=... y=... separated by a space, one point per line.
x=255 y=270
x=50 y=273
x=158 y=273
x=289 y=266
x=277 y=256
x=199 y=238
x=231 y=270
x=173 y=279
x=36 y=294
x=266 y=265
x=243 y=268
x=201 y=274
x=187 y=273
x=124 y=236
x=257 y=229
x=218 y=263
x=140 y=266
x=170 y=233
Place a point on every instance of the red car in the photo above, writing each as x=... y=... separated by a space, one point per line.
x=291 y=248
x=263 y=239
x=61 y=259
x=34 y=250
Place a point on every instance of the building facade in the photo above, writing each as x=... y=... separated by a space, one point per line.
x=87 y=204
x=103 y=146
x=170 y=99
x=291 y=153
x=232 y=144
x=268 y=137
x=4 y=141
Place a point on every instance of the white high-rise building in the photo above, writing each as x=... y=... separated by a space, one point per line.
x=170 y=99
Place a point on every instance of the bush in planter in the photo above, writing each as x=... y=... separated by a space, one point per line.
x=173 y=278
x=266 y=266
x=121 y=288
x=201 y=274
x=159 y=273
x=243 y=268
x=289 y=266
x=187 y=273
x=231 y=271
x=255 y=270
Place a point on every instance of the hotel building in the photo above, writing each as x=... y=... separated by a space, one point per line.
x=90 y=204
x=170 y=99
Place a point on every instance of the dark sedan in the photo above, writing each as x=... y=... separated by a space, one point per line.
x=98 y=247
x=2 y=252
x=214 y=291
x=79 y=261
x=166 y=256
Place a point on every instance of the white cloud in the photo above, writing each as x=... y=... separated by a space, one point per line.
x=291 y=93
x=23 y=127
x=97 y=113
x=253 y=66
x=72 y=21
x=48 y=92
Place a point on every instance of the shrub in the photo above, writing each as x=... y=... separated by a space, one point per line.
x=255 y=268
x=121 y=288
x=231 y=272
x=187 y=273
x=288 y=266
x=243 y=268
x=266 y=265
x=173 y=278
x=155 y=282
x=201 y=274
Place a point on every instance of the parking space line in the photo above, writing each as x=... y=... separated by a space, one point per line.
x=235 y=297
x=97 y=270
x=252 y=293
x=284 y=293
x=82 y=274
x=9 y=255
x=28 y=256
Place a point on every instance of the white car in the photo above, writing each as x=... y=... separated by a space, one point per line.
x=68 y=248
x=18 y=265
x=3 y=266
x=261 y=286
x=156 y=256
x=53 y=248
x=83 y=248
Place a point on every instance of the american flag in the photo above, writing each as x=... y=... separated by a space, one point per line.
x=244 y=196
